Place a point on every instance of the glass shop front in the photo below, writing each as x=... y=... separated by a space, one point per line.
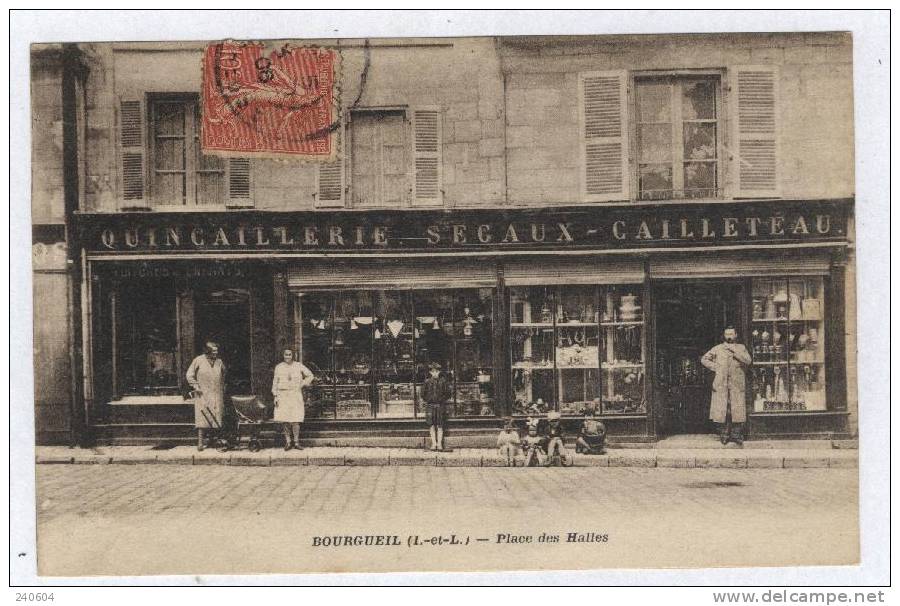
x=590 y=330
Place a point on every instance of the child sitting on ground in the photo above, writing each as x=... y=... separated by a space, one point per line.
x=533 y=445
x=592 y=439
x=508 y=443
x=556 y=448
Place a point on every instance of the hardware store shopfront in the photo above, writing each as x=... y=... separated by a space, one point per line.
x=527 y=311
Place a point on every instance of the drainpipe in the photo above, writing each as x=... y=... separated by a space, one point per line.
x=72 y=69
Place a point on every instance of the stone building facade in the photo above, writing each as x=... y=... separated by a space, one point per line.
x=562 y=223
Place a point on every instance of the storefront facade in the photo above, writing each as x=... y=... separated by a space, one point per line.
x=561 y=223
x=575 y=310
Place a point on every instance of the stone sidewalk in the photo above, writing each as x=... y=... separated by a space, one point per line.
x=770 y=455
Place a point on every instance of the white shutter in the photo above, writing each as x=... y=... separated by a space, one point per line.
x=754 y=92
x=239 y=192
x=604 y=135
x=132 y=135
x=427 y=163
x=330 y=178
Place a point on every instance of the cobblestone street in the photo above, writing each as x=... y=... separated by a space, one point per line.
x=163 y=519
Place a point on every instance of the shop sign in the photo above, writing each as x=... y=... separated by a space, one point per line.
x=595 y=228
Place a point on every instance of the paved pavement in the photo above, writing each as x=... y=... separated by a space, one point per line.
x=168 y=519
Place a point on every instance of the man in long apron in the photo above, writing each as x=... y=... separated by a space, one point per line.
x=728 y=403
x=206 y=376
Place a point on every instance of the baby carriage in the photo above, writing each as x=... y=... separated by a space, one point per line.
x=253 y=417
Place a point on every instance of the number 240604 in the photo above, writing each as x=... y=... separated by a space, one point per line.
x=34 y=597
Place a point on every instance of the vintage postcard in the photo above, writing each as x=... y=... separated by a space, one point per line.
x=392 y=304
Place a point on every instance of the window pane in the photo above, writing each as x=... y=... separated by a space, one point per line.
x=395 y=188
x=169 y=188
x=770 y=382
x=531 y=349
x=147 y=340
x=433 y=332
x=655 y=181
x=391 y=129
x=654 y=101
x=170 y=119
x=316 y=332
x=434 y=336
x=473 y=331
x=698 y=101
x=577 y=348
x=699 y=179
x=806 y=309
x=655 y=143
x=379 y=160
x=354 y=326
x=394 y=359
x=622 y=349
x=699 y=141
x=365 y=191
x=169 y=154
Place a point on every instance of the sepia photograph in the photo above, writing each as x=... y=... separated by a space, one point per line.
x=393 y=304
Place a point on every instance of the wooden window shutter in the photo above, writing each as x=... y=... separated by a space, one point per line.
x=427 y=162
x=602 y=100
x=331 y=185
x=239 y=191
x=754 y=92
x=132 y=152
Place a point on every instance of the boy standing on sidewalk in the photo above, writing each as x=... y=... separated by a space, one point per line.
x=436 y=393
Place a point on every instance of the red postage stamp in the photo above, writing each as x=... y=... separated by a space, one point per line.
x=280 y=102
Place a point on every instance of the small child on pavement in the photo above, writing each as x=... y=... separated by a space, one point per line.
x=508 y=442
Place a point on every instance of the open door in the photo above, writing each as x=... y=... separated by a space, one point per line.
x=690 y=319
x=223 y=315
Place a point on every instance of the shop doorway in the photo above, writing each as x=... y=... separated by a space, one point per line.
x=690 y=318
x=223 y=316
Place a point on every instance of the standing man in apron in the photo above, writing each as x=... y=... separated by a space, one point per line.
x=206 y=376
x=728 y=403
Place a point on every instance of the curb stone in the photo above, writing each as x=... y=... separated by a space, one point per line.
x=671 y=459
x=250 y=461
x=283 y=461
x=680 y=462
x=618 y=460
x=765 y=462
x=732 y=462
x=805 y=462
x=843 y=462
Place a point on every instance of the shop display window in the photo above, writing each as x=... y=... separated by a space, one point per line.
x=315 y=326
x=787 y=344
x=577 y=348
x=622 y=323
x=371 y=350
x=146 y=340
x=473 y=356
x=394 y=354
x=354 y=365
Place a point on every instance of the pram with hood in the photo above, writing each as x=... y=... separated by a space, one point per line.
x=253 y=418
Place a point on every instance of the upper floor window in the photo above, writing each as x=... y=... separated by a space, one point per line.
x=663 y=136
x=163 y=164
x=180 y=173
x=390 y=158
x=677 y=137
x=379 y=159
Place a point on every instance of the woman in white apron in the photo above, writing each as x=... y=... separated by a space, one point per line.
x=287 y=387
x=206 y=376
